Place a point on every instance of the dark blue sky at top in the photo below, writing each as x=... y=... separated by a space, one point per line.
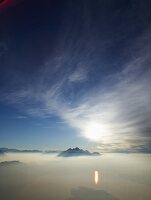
x=61 y=54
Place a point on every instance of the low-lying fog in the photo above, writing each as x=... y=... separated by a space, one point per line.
x=48 y=177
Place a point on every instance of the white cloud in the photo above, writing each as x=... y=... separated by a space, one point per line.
x=21 y=117
x=118 y=114
x=78 y=75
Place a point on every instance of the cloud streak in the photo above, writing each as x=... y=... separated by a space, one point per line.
x=119 y=113
x=106 y=100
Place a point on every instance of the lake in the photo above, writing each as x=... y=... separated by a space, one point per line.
x=47 y=177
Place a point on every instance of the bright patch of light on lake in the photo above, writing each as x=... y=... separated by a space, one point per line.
x=96 y=177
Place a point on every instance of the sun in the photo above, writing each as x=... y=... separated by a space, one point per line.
x=95 y=131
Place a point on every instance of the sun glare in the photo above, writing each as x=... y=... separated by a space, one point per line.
x=95 y=131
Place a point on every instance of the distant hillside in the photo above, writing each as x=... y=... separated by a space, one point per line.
x=51 y=152
x=7 y=150
x=9 y=163
x=1 y=152
x=77 y=152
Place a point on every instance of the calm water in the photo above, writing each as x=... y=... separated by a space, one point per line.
x=48 y=177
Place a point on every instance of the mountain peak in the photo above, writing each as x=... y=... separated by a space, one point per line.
x=77 y=152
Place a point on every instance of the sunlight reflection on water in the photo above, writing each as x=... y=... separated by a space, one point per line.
x=96 y=177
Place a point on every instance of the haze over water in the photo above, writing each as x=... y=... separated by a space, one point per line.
x=48 y=177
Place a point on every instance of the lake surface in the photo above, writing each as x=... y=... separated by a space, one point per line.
x=48 y=177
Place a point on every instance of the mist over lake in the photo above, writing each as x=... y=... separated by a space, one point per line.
x=40 y=176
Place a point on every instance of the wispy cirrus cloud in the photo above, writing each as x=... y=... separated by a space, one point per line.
x=79 y=75
x=21 y=117
x=115 y=113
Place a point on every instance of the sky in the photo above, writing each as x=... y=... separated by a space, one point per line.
x=76 y=73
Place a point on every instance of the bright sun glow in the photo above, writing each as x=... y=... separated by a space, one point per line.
x=95 y=131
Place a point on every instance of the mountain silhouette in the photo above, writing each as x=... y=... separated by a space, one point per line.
x=77 y=152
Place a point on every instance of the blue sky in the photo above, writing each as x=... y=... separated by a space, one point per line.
x=76 y=73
